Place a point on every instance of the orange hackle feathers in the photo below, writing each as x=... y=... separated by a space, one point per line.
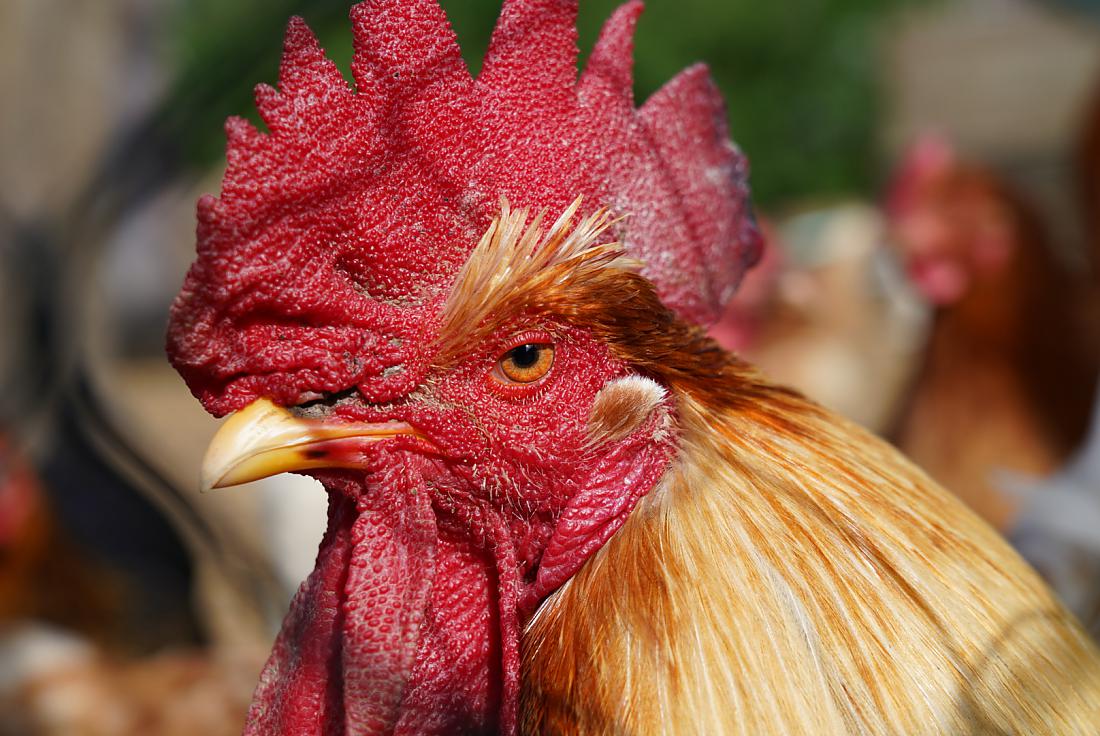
x=794 y=575
x=789 y=574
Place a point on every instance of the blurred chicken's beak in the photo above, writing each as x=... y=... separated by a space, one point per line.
x=263 y=439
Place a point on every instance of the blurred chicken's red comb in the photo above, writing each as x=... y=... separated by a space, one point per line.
x=357 y=208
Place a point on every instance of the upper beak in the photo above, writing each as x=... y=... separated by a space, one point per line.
x=263 y=439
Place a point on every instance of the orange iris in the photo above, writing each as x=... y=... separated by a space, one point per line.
x=525 y=363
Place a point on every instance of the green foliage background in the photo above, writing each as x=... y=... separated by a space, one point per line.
x=800 y=77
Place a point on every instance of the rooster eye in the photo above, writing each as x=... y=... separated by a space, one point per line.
x=525 y=363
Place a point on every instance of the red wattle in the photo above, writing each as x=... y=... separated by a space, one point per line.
x=348 y=646
x=406 y=625
x=386 y=593
x=298 y=693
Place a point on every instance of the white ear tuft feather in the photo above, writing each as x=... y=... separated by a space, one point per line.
x=621 y=407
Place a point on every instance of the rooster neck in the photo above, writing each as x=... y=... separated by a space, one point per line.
x=805 y=580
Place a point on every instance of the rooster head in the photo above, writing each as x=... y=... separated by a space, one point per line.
x=458 y=303
x=957 y=226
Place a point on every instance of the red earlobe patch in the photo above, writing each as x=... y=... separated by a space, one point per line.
x=613 y=487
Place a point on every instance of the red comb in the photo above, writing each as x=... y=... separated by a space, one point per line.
x=338 y=230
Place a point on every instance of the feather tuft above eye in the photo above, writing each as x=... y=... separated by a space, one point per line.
x=515 y=259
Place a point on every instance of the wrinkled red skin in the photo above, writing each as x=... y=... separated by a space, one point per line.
x=321 y=270
x=432 y=562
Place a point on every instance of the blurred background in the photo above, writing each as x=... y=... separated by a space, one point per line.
x=927 y=172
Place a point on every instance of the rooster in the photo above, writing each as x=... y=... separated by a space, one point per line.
x=1000 y=387
x=470 y=308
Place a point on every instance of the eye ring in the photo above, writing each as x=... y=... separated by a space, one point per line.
x=525 y=363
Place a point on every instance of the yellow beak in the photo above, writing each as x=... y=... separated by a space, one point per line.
x=263 y=439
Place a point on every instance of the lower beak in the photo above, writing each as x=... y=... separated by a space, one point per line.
x=263 y=439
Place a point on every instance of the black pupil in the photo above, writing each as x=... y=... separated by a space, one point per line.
x=525 y=356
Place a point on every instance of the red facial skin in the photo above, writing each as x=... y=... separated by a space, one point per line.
x=436 y=556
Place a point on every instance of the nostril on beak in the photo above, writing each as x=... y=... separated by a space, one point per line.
x=319 y=404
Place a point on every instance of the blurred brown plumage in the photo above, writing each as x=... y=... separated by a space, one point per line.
x=1011 y=363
